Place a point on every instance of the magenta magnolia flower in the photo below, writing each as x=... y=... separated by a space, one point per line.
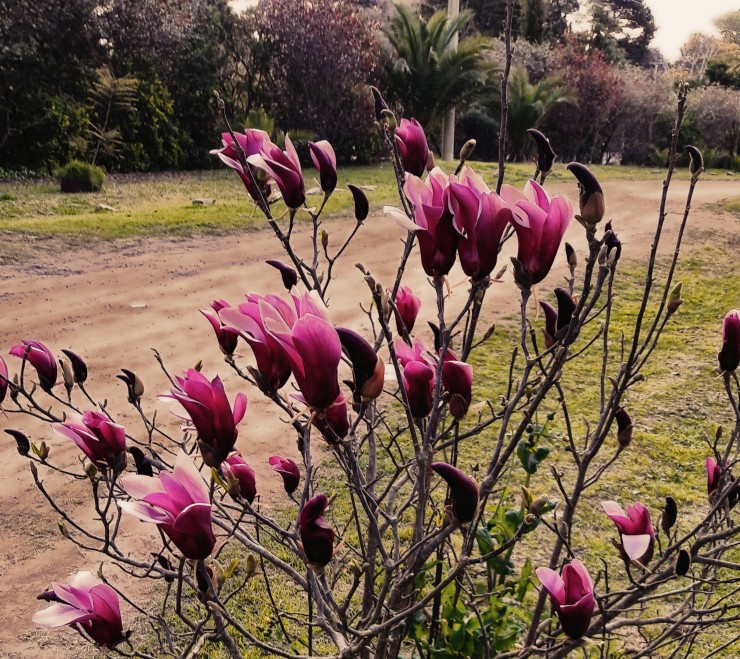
x=101 y=440
x=463 y=491
x=244 y=475
x=210 y=413
x=86 y=602
x=288 y=469
x=540 y=223
x=729 y=355
x=285 y=169
x=325 y=160
x=227 y=337
x=457 y=381
x=432 y=221
x=714 y=474
x=418 y=381
x=311 y=346
x=635 y=529
x=251 y=142
x=3 y=379
x=572 y=596
x=480 y=217
x=407 y=305
x=272 y=363
x=41 y=358
x=178 y=503
x=413 y=147
x=317 y=536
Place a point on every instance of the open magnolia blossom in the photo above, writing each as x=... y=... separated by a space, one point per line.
x=285 y=169
x=101 y=440
x=637 y=536
x=86 y=602
x=178 y=503
x=571 y=595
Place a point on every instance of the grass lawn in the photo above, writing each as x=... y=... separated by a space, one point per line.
x=162 y=204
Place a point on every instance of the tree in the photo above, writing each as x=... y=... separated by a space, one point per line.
x=426 y=78
x=729 y=26
x=622 y=28
x=532 y=20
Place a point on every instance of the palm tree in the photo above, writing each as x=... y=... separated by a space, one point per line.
x=529 y=106
x=424 y=75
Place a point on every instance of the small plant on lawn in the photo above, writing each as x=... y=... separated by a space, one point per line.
x=388 y=542
x=78 y=176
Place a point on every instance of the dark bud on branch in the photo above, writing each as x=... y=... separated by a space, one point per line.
x=570 y=254
x=683 y=563
x=79 y=367
x=670 y=514
x=133 y=383
x=467 y=150
x=674 y=300
x=624 y=427
x=288 y=274
x=22 y=443
x=696 y=161
x=362 y=207
x=380 y=103
x=545 y=154
x=590 y=196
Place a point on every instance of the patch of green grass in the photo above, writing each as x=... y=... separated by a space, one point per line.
x=731 y=205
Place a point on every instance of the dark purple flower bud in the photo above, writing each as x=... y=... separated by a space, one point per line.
x=288 y=470
x=317 y=536
x=457 y=381
x=418 y=381
x=380 y=103
x=79 y=367
x=133 y=383
x=550 y=328
x=178 y=503
x=636 y=531
x=545 y=154
x=463 y=491
x=590 y=195
x=408 y=305
x=368 y=369
x=288 y=274
x=362 y=207
x=22 y=443
x=566 y=307
x=86 y=602
x=571 y=596
x=227 y=337
x=3 y=379
x=334 y=422
x=166 y=564
x=325 y=161
x=437 y=336
x=696 y=161
x=670 y=515
x=413 y=147
x=243 y=474
x=624 y=427
x=612 y=242
x=41 y=358
x=142 y=462
x=729 y=355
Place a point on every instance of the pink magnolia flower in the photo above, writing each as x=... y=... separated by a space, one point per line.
x=251 y=142
x=714 y=476
x=86 y=602
x=480 y=217
x=178 y=503
x=540 y=223
x=325 y=160
x=418 y=381
x=244 y=475
x=101 y=440
x=729 y=355
x=288 y=469
x=432 y=221
x=3 y=379
x=210 y=413
x=457 y=381
x=412 y=145
x=317 y=536
x=285 y=169
x=635 y=529
x=463 y=490
x=572 y=596
x=227 y=337
x=407 y=305
x=41 y=358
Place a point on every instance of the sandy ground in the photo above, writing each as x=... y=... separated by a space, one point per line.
x=113 y=302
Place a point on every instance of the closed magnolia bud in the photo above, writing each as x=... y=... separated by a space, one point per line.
x=324 y=239
x=22 y=443
x=590 y=197
x=670 y=514
x=683 y=563
x=251 y=564
x=430 y=161
x=570 y=254
x=63 y=529
x=67 y=375
x=624 y=427
x=696 y=161
x=79 y=367
x=674 y=300
x=91 y=471
x=34 y=470
x=538 y=504
x=362 y=206
x=467 y=150
x=199 y=366
x=389 y=118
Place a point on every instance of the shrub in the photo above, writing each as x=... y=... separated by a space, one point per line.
x=77 y=176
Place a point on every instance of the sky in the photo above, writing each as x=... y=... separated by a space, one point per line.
x=677 y=19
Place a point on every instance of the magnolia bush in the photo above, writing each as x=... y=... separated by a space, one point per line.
x=389 y=545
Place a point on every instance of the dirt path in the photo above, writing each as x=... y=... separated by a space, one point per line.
x=113 y=302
